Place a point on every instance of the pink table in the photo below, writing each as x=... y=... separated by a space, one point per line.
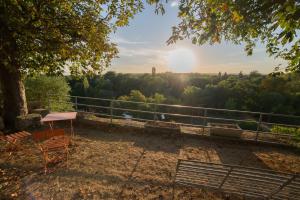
x=63 y=116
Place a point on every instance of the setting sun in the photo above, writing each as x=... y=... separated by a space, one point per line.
x=181 y=60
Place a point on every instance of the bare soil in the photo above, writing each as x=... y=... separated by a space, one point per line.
x=120 y=163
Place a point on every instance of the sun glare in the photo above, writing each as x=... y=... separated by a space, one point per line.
x=181 y=60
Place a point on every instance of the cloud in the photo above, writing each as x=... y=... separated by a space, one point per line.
x=140 y=51
x=121 y=40
x=174 y=4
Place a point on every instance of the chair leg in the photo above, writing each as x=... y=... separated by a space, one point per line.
x=67 y=152
x=45 y=162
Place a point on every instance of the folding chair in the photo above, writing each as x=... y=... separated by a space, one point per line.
x=54 y=147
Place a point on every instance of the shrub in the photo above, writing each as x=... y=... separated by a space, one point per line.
x=248 y=125
x=48 y=92
x=287 y=130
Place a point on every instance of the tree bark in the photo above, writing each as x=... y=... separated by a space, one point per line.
x=14 y=98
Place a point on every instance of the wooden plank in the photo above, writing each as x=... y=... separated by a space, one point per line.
x=286 y=196
x=201 y=182
x=188 y=183
x=247 y=185
x=200 y=173
x=19 y=136
x=214 y=165
x=255 y=178
x=235 y=166
x=23 y=133
x=215 y=189
x=210 y=179
x=254 y=183
x=202 y=169
x=10 y=139
x=262 y=173
x=205 y=166
x=258 y=175
x=204 y=176
x=247 y=193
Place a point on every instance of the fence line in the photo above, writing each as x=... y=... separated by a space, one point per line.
x=114 y=105
x=192 y=107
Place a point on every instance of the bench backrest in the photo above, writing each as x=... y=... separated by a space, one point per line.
x=46 y=134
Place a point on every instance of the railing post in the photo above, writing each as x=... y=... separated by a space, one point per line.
x=155 y=112
x=111 y=111
x=76 y=107
x=258 y=126
x=204 y=120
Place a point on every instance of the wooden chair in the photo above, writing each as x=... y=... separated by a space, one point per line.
x=54 y=147
x=14 y=141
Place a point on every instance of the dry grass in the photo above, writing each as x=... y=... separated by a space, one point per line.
x=126 y=164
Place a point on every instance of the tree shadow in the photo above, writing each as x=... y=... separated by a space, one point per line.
x=149 y=142
x=221 y=151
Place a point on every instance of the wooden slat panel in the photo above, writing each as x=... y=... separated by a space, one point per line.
x=22 y=134
x=241 y=180
x=19 y=136
x=203 y=169
x=262 y=173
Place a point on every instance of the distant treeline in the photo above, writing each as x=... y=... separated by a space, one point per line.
x=255 y=92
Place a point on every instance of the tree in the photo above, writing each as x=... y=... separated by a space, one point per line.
x=49 y=36
x=49 y=92
x=191 y=95
x=275 y=23
x=157 y=98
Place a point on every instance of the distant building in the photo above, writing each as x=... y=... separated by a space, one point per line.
x=153 y=71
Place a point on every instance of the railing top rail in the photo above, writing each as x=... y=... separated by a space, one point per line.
x=191 y=107
x=185 y=115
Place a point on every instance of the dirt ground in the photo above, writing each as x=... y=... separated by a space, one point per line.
x=123 y=164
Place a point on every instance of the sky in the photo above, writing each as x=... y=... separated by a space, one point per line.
x=142 y=45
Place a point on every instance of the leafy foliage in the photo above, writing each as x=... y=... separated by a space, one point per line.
x=47 y=36
x=191 y=95
x=287 y=130
x=48 y=92
x=275 y=23
x=256 y=92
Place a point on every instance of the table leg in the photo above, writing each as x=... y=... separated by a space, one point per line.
x=51 y=126
x=72 y=130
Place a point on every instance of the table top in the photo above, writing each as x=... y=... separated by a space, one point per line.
x=59 y=116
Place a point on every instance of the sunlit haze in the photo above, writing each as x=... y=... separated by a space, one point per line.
x=181 y=60
x=142 y=45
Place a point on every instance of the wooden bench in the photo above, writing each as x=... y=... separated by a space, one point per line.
x=53 y=145
x=14 y=141
x=245 y=181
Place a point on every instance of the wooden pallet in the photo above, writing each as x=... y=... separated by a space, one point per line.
x=245 y=181
x=14 y=141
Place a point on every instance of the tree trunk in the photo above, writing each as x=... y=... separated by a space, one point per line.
x=14 y=98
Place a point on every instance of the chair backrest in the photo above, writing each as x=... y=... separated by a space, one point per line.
x=57 y=132
x=46 y=134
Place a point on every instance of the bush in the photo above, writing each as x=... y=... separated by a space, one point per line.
x=48 y=92
x=248 y=125
x=287 y=130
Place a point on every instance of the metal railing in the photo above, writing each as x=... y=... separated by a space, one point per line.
x=149 y=111
x=252 y=182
